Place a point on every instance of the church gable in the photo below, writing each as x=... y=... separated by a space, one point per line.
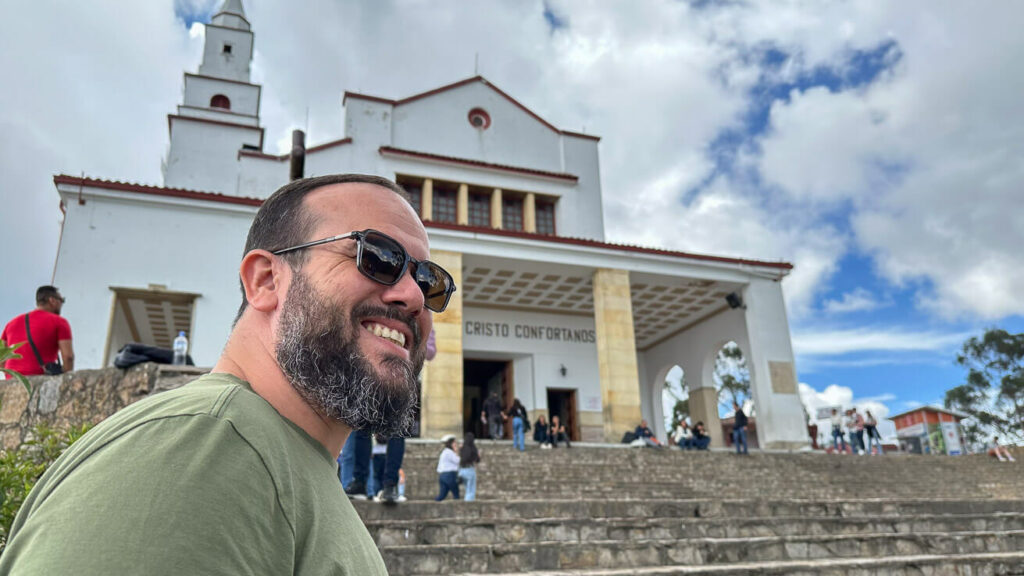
x=476 y=121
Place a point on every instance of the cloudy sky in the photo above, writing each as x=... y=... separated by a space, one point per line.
x=875 y=145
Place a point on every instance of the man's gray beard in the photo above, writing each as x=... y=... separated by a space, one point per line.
x=318 y=351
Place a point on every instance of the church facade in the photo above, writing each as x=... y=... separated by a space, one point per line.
x=547 y=310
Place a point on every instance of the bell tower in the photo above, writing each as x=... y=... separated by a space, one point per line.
x=219 y=113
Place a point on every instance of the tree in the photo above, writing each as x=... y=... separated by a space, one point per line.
x=993 y=395
x=731 y=376
x=676 y=388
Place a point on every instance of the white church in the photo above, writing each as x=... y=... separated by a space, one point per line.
x=546 y=310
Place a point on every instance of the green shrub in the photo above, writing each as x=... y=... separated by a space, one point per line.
x=21 y=468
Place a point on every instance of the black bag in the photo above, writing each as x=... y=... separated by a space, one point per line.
x=628 y=437
x=49 y=368
x=526 y=425
x=134 y=353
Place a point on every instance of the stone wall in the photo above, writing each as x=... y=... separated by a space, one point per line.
x=83 y=396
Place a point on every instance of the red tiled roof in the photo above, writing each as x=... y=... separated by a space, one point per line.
x=478 y=163
x=454 y=85
x=156 y=190
x=248 y=201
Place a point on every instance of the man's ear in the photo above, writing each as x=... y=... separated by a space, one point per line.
x=261 y=276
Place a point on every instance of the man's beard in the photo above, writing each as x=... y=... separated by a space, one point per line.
x=318 y=351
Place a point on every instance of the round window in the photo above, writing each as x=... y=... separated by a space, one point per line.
x=479 y=118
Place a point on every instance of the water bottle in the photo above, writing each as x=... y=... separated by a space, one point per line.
x=180 y=349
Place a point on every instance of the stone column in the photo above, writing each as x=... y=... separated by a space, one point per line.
x=462 y=205
x=427 y=200
x=704 y=408
x=530 y=213
x=616 y=353
x=442 y=378
x=496 y=208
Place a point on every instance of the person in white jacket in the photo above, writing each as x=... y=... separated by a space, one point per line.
x=448 y=469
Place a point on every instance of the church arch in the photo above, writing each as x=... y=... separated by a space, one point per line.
x=220 y=101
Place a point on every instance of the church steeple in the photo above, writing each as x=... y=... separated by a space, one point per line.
x=228 y=50
x=220 y=111
x=231 y=15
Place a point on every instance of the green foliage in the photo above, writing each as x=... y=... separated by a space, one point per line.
x=21 y=468
x=680 y=412
x=8 y=353
x=731 y=376
x=993 y=394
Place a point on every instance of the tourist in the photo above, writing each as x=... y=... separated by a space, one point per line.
x=40 y=335
x=492 y=415
x=837 y=431
x=858 y=431
x=234 y=473
x=448 y=469
x=871 y=429
x=643 y=432
x=682 y=435
x=739 y=429
x=540 y=432
x=469 y=457
x=556 y=433
x=519 y=424
x=1000 y=452
x=700 y=440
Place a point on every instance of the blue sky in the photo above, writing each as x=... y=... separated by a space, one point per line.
x=876 y=146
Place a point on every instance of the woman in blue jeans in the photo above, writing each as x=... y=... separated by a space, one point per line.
x=469 y=457
x=447 y=469
x=518 y=415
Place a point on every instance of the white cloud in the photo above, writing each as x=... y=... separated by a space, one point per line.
x=859 y=300
x=842 y=397
x=836 y=342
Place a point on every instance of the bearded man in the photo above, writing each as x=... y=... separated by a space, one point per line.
x=236 y=472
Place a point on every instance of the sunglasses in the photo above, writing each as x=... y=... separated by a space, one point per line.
x=384 y=260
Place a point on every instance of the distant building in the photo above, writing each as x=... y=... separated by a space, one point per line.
x=546 y=310
x=929 y=430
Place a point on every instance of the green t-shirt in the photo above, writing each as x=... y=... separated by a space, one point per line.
x=205 y=479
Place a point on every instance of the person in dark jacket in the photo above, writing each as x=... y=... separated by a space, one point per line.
x=519 y=421
x=557 y=433
x=739 y=429
x=493 y=416
x=540 y=431
x=700 y=439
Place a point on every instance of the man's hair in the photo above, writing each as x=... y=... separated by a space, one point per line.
x=282 y=221
x=44 y=293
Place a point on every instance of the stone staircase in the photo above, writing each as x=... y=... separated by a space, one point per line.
x=609 y=510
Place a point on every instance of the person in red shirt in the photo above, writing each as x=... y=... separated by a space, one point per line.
x=50 y=333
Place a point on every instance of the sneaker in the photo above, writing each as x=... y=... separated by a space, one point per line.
x=387 y=496
x=401 y=498
x=356 y=490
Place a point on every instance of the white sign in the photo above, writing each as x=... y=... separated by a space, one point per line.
x=825 y=412
x=592 y=403
x=951 y=434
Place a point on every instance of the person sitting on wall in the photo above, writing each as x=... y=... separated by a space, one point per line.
x=540 y=432
x=682 y=435
x=700 y=440
x=1000 y=452
x=556 y=433
x=643 y=432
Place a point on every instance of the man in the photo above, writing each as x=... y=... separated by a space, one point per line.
x=700 y=438
x=643 y=432
x=857 y=431
x=739 y=429
x=386 y=468
x=51 y=336
x=492 y=414
x=236 y=472
x=837 y=431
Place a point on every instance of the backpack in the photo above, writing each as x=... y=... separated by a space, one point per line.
x=628 y=437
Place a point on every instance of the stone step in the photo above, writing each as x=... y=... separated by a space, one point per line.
x=986 y=564
x=498 y=558
x=441 y=532
x=678 y=508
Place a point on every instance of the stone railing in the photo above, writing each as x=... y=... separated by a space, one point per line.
x=83 y=396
